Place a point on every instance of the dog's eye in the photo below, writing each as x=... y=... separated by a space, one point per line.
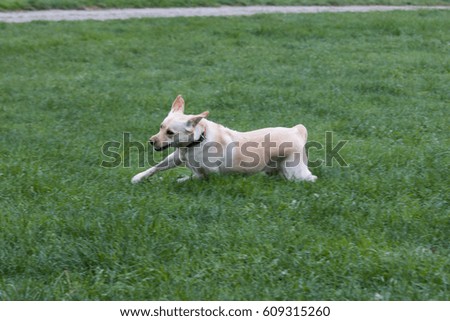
x=169 y=132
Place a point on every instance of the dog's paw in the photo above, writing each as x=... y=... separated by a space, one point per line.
x=137 y=178
x=311 y=178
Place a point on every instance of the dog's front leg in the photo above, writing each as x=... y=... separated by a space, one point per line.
x=170 y=161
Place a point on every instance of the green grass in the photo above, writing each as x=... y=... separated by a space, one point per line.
x=77 y=4
x=377 y=229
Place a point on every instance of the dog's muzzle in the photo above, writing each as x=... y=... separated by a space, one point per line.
x=158 y=149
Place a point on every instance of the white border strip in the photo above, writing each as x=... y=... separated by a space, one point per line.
x=224 y=310
x=112 y=14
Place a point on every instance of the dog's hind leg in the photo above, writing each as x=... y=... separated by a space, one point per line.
x=294 y=168
x=170 y=161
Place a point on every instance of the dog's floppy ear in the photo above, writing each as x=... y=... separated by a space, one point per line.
x=194 y=120
x=178 y=105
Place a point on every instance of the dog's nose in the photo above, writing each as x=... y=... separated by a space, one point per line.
x=150 y=142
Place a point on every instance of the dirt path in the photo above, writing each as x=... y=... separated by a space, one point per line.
x=110 y=14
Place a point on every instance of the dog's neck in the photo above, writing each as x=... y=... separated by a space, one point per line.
x=201 y=138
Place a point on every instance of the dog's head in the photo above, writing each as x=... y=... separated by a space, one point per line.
x=178 y=129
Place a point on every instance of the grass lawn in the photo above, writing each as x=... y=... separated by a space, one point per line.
x=77 y=4
x=377 y=229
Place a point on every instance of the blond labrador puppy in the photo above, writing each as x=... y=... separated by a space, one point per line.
x=206 y=147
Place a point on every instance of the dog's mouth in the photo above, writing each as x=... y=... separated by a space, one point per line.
x=159 y=149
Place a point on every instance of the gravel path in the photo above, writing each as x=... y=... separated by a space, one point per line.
x=110 y=14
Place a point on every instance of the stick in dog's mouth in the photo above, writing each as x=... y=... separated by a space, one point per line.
x=160 y=149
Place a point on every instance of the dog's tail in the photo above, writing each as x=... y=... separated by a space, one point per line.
x=303 y=132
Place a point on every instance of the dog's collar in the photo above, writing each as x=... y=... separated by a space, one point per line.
x=198 y=141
